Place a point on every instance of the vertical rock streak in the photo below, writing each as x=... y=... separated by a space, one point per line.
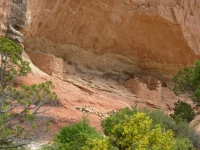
x=16 y=21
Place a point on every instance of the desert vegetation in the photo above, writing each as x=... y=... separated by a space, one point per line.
x=21 y=119
x=188 y=81
x=128 y=128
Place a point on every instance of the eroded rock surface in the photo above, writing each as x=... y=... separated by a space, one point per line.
x=117 y=38
x=5 y=9
x=13 y=19
x=16 y=21
x=196 y=123
x=140 y=43
x=93 y=96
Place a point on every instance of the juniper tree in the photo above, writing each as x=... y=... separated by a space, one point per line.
x=182 y=112
x=21 y=109
x=188 y=81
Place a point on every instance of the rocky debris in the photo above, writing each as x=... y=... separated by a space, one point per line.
x=35 y=145
x=91 y=110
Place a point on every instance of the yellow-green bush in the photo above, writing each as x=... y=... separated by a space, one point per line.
x=180 y=129
x=97 y=144
x=138 y=133
x=135 y=130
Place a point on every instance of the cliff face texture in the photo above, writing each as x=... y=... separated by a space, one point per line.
x=13 y=19
x=141 y=43
x=5 y=8
x=117 y=38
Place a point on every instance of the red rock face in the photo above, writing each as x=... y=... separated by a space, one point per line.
x=5 y=8
x=97 y=95
x=117 y=38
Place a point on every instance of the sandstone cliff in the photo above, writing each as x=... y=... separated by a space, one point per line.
x=117 y=38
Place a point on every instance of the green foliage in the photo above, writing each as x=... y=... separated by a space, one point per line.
x=188 y=81
x=98 y=144
x=180 y=129
x=119 y=117
x=139 y=133
x=11 y=62
x=116 y=118
x=74 y=136
x=126 y=129
x=20 y=109
x=182 y=111
x=136 y=133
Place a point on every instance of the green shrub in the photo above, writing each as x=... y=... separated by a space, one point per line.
x=183 y=111
x=138 y=132
x=73 y=137
x=20 y=108
x=188 y=81
x=157 y=116
x=98 y=144
x=180 y=129
x=116 y=118
x=127 y=128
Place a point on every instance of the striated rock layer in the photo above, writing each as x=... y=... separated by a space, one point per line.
x=117 y=38
x=120 y=39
